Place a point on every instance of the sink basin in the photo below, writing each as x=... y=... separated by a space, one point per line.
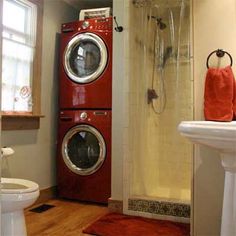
x=222 y=137
x=218 y=135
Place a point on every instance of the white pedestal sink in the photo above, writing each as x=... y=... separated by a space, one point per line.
x=220 y=136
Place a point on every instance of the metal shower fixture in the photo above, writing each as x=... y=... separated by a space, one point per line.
x=159 y=22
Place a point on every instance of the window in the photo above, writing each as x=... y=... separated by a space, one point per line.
x=17 y=55
x=21 y=58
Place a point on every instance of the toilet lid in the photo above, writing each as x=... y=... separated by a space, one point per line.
x=12 y=185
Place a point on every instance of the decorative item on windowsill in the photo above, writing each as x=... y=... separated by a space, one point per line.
x=220 y=91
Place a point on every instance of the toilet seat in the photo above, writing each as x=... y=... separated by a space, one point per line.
x=17 y=186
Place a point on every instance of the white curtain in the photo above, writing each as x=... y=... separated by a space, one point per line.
x=19 y=37
x=160 y=157
x=16 y=76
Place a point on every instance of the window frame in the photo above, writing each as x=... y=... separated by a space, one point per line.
x=30 y=120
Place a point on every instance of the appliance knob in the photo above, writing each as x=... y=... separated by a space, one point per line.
x=85 y=25
x=83 y=115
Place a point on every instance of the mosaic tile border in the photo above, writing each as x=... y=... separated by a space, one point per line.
x=160 y=207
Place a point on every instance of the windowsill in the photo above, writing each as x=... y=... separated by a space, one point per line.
x=20 y=121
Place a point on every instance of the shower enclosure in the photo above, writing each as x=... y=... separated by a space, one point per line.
x=160 y=96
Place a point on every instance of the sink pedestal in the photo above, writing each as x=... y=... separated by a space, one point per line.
x=228 y=222
x=222 y=137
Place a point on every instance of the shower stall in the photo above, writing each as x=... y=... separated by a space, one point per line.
x=159 y=163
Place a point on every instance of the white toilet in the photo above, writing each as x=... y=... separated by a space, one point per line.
x=16 y=195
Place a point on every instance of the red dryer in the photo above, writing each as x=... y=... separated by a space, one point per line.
x=84 y=155
x=86 y=64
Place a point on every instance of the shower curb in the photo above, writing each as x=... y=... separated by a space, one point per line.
x=115 y=205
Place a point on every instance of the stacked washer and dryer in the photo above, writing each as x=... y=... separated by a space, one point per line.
x=85 y=94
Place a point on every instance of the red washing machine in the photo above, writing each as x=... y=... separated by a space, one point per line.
x=86 y=64
x=84 y=155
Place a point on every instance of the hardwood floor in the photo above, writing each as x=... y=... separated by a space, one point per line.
x=67 y=218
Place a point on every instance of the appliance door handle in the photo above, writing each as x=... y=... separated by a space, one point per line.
x=67 y=30
x=66 y=118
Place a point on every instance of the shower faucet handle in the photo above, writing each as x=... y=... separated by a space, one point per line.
x=151 y=94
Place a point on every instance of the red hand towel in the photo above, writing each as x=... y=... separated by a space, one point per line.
x=219 y=94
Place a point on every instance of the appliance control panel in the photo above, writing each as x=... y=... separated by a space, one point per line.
x=86 y=116
x=90 y=24
x=102 y=24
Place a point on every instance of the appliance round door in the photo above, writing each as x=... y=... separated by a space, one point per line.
x=85 y=58
x=83 y=149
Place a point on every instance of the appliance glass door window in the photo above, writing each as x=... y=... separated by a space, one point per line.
x=85 y=58
x=83 y=150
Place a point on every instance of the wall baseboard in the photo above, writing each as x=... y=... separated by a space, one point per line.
x=115 y=205
x=46 y=194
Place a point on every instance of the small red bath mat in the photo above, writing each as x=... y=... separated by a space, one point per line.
x=114 y=224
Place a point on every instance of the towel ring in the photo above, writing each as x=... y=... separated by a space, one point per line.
x=219 y=53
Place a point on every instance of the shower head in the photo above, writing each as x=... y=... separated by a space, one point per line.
x=159 y=22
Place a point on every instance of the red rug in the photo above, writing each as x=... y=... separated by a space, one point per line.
x=114 y=224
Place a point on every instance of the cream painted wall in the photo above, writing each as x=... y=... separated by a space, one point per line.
x=214 y=26
x=34 y=157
